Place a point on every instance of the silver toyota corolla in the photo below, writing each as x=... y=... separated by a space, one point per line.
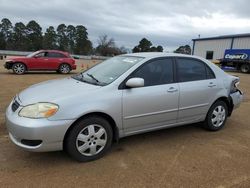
x=125 y=95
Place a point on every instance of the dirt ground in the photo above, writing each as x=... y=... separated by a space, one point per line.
x=186 y=156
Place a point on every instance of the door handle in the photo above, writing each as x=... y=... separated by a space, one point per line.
x=172 y=90
x=211 y=84
x=46 y=59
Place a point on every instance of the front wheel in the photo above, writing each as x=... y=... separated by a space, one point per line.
x=89 y=139
x=19 y=68
x=64 y=68
x=217 y=116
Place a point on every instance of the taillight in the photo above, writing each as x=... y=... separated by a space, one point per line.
x=235 y=85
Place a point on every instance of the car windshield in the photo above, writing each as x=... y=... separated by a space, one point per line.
x=33 y=54
x=108 y=71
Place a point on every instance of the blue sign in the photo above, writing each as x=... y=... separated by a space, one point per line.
x=237 y=54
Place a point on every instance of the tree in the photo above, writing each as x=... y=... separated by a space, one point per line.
x=71 y=35
x=19 y=37
x=135 y=49
x=34 y=36
x=123 y=50
x=146 y=46
x=106 y=46
x=2 y=41
x=82 y=44
x=183 y=50
x=159 y=48
x=62 y=37
x=50 y=39
x=6 y=30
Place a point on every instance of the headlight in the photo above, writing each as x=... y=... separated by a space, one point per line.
x=39 y=110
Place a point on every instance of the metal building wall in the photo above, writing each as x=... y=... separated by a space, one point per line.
x=218 y=46
x=241 y=43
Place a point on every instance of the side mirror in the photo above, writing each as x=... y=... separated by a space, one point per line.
x=135 y=82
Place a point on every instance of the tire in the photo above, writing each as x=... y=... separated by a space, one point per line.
x=217 y=116
x=89 y=139
x=19 y=68
x=245 y=68
x=64 y=68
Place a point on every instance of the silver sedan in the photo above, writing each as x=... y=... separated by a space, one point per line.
x=122 y=96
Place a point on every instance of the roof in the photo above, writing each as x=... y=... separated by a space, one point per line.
x=56 y=51
x=157 y=54
x=224 y=37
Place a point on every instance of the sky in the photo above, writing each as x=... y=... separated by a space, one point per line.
x=169 y=23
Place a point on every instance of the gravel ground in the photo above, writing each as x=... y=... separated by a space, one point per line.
x=186 y=156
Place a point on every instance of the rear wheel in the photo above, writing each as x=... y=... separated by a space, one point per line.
x=89 y=139
x=19 y=68
x=64 y=68
x=245 y=68
x=217 y=116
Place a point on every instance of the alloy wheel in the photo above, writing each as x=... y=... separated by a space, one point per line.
x=218 y=116
x=91 y=140
x=19 y=68
x=64 y=69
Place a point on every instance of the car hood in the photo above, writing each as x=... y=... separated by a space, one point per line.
x=55 y=90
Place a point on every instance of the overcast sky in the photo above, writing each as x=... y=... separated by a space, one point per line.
x=169 y=23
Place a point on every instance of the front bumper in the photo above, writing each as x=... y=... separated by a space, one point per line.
x=50 y=133
x=7 y=65
x=237 y=98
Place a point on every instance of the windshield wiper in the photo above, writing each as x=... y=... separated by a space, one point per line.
x=82 y=75
x=94 y=78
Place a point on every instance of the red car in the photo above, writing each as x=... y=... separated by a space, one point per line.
x=53 y=60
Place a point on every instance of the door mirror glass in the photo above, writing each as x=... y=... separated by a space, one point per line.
x=135 y=82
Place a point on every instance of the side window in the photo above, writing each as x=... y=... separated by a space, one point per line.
x=40 y=55
x=55 y=55
x=190 y=70
x=157 y=72
x=210 y=73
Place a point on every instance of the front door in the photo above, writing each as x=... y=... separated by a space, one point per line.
x=156 y=104
x=39 y=61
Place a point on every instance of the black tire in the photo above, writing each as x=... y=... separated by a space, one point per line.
x=245 y=68
x=212 y=120
x=64 y=68
x=72 y=144
x=19 y=68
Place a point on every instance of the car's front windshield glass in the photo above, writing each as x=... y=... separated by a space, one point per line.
x=32 y=54
x=109 y=70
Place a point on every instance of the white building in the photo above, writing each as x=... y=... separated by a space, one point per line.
x=214 y=47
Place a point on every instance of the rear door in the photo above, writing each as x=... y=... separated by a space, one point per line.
x=54 y=60
x=198 y=87
x=154 y=105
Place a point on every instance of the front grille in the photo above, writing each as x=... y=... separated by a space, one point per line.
x=15 y=105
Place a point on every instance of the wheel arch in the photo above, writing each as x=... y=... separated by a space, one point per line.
x=99 y=114
x=228 y=102
x=13 y=62
x=64 y=63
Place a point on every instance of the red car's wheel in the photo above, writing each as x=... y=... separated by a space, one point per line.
x=19 y=68
x=64 y=68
